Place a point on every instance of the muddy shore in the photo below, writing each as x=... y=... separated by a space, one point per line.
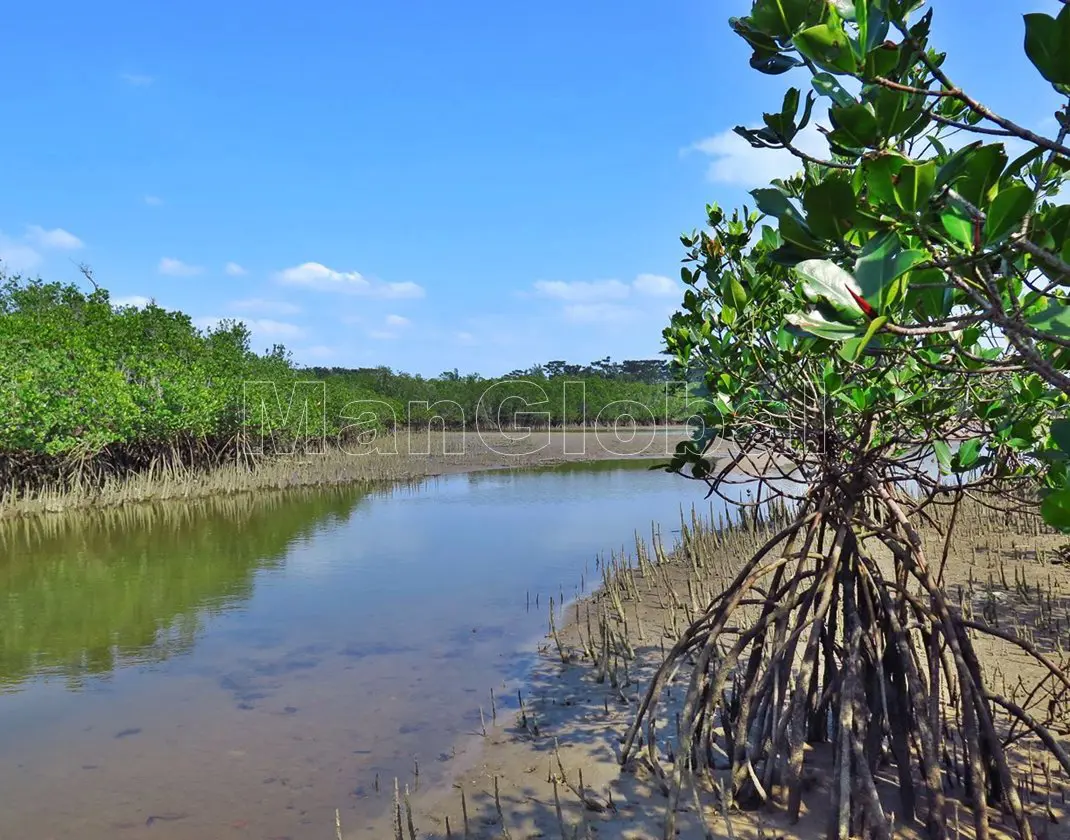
x=406 y=457
x=553 y=769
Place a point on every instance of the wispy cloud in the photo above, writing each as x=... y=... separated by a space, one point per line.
x=176 y=268
x=233 y=269
x=261 y=327
x=382 y=335
x=153 y=200
x=397 y=321
x=313 y=275
x=138 y=301
x=734 y=161
x=656 y=285
x=56 y=238
x=137 y=79
x=17 y=256
x=465 y=338
x=265 y=307
x=316 y=351
x=580 y=290
x=278 y=329
x=23 y=254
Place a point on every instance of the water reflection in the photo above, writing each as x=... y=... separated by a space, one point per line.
x=327 y=638
x=84 y=594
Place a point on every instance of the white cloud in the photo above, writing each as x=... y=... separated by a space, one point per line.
x=57 y=238
x=208 y=322
x=266 y=307
x=177 y=268
x=313 y=275
x=234 y=270
x=581 y=290
x=397 y=321
x=261 y=327
x=137 y=79
x=153 y=200
x=735 y=161
x=265 y=326
x=16 y=256
x=605 y=301
x=317 y=351
x=465 y=338
x=139 y=301
x=382 y=335
x=656 y=285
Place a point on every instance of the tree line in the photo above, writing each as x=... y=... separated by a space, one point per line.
x=89 y=388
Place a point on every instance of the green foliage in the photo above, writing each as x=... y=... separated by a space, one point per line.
x=910 y=283
x=83 y=382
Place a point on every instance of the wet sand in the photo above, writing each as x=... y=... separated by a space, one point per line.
x=409 y=456
x=555 y=771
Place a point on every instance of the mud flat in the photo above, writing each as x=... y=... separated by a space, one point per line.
x=408 y=456
x=552 y=767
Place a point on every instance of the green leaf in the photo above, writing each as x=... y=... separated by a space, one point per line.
x=1056 y=509
x=773 y=64
x=734 y=292
x=943 y=455
x=881 y=263
x=882 y=60
x=782 y=18
x=826 y=85
x=955 y=166
x=853 y=348
x=1047 y=43
x=880 y=174
x=855 y=125
x=983 y=167
x=896 y=110
x=789 y=108
x=815 y=323
x=827 y=46
x=825 y=282
x=773 y=202
x=967 y=455
x=930 y=293
x=795 y=232
x=1008 y=209
x=1060 y=432
x=830 y=208
x=760 y=41
x=958 y=228
x=770 y=238
x=831 y=379
x=916 y=182
x=1054 y=319
x=1015 y=167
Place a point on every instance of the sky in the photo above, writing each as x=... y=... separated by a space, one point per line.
x=424 y=185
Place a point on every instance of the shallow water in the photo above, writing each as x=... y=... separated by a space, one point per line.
x=247 y=665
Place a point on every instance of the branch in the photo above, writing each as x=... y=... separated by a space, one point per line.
x=976 y=106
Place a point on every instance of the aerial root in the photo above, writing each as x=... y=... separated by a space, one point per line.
x=814 y=642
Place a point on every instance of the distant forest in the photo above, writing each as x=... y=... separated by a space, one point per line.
x=105 y=389
x=650 y=371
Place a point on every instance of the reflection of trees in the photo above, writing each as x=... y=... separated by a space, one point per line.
x=82 y=594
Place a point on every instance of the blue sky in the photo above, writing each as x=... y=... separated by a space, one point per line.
x=424 y=185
